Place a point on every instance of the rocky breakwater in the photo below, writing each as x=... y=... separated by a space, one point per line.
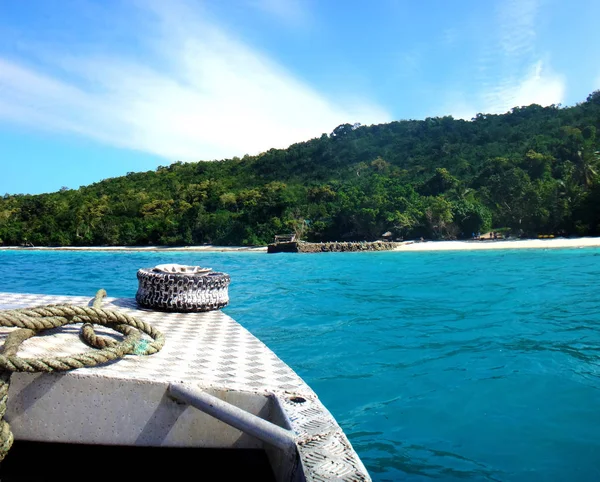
x=331 y=247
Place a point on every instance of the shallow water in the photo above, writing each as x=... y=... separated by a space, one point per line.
x=453 y=365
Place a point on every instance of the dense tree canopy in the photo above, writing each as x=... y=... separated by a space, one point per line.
x=534 y=170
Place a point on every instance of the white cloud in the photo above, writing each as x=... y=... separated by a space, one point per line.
x=517 y=19
x=511 y=73
x=459 y=109
x=538 y=86
x=203 y=95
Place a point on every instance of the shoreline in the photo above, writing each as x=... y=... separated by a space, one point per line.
x=407 y=246
x=203 y=248
x=472 y=245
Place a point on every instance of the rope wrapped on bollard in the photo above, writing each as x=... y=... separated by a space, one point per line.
x=32 y=321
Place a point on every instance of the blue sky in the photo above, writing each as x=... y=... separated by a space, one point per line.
x=91 y=89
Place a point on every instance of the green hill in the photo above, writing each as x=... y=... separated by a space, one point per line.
x=533 y=170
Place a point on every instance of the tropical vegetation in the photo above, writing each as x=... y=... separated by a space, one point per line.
x=533 y=170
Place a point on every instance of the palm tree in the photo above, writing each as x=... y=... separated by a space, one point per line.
x=587 y=162
x=460 y=192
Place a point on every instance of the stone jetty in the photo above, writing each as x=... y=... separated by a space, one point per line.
x=330 y=247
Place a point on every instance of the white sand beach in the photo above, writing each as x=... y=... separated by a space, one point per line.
x=500 y=244
x=406 y=246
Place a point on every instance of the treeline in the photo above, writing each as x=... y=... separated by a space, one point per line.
x=532 y=171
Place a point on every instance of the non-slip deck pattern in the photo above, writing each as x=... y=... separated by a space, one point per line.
x=209 y=348
x=212 y=350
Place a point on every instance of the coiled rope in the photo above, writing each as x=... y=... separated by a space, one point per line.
x=32 y=321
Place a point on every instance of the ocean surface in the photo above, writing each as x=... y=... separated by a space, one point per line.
x=447 y=365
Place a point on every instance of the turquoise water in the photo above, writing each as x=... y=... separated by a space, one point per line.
x=470 y=365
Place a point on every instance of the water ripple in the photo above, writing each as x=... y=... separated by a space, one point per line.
x=453 y=366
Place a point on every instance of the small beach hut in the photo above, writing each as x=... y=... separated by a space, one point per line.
x=285 y=238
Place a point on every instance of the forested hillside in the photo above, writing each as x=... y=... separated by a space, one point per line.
x=533 y=170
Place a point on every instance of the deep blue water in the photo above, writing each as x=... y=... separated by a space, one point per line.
x=451 y=365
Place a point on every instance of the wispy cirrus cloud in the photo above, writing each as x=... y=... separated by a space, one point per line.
x=201 y=94
x=525 y=78
x=510 y=71
x=517 y=19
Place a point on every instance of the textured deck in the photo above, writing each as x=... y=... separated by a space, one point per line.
x=210 y=350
